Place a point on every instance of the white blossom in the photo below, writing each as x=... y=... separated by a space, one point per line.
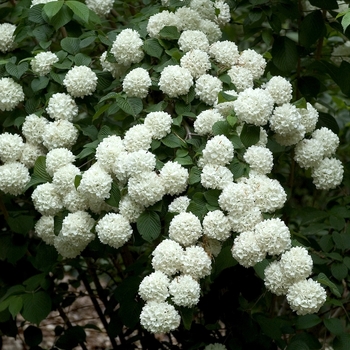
x=328 y=139
x=174 y=177
x=137 y=82
x=44 y=228
x=33 y=128
x=218 y=151
x=205 y=121
x=155 y=287
x=224 y=52
x=62 y=106
x=64 y=178
x=100 y=7
x=207 y=88
x=280 y=89
x=11 y=147
x=241 y=77
x=159 y=123
x=179 y=205
x=244 y=221
x=137 y=137
x=184 y=291
x=216 y=225
x=327 y=173
x=224 y=15
x=80 y=81
x=309 y=117
x=188 y=19
x=116 y=69
x=11 y=94
x=308 y=152
x=30 y=154
x=130 y=209
x=175 y=81
x=42 y=62
x=260 y=159
x=211 y=30
x=59 y=134
x=195 y=262
x=14 y=176
x=253 y=61
x=75 y=201
x=46 y=199
x=159 y=20
x=275 y=280
x=193 y=40
x=7 y=37
x=196 y=61
x=216 y=176
x=57 y=158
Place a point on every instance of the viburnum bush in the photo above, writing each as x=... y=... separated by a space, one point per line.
x=183 y=171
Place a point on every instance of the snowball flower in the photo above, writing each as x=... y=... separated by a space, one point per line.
x=307 y=153
x=224 y=52
x=193 y=40
x=14 y=176
x=137 y=137
x=253 y=61
x=146 y=189
x=306 y=296
x=80 y=81
x=100 y=7
x=174 y=178
x=210 y=29
x=246 y=250
x=280 y=89
x=187 y=18
x=273 y=236
x=108 y=151
x=159 y=124
x=184 y=291
x=328 y=139
x=57 y=158
x=216 y=225
x=175 y=81
x=260 y=159
x=205 y=8
x=185 y=228
x=30 y=154
x=33 y=128
x=218 y=151
x=130 y=209
x=238 y=197
x=64 y=178
x=309 y=117
x=159 y=20
x=216 y=176
x=291 y=138
x=11 y=147
x=46 y=199
x=254 y=106
x=275 y=280
x=59 y=134
x=207 y=88
x=205 y=121
x=75 y=201
x=7 y=37
x=36 y=2
x=154 y=287
x=62 y=106
x=11 y=94
x=159 y=317
x=114 y=229
x=127 y=47
x=195 y=262
x=241 y=77
x=75 y=234
x=286 y=119
x=196 y=61
x=179 y=205
x=327 y=173
x=224 y=14
x=42 y=62
x=226 y=107
x=137 y=82
x=44 y=228
x=140 y=161
x=96 y=182
x=296 y=264
x=244 y=221
x=167 y=257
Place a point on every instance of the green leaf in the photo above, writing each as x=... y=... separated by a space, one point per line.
x=115 y=196
x=307 y=321
x=328 y=121
x=341 y=342
x=212 y=197
x=325 y=4
x=33 y=336
x=149 y=226
x=71 y=45
x=40 y=169
x=223 y=97
x=284 y=54
x=238 y=168
x=223 y=261
x=334 y=325
x=345 y=21
x=34 y=282
x=34 y=180
x=184 y=160
x=129 y=312
x=301 y=103
x=39 y=83
x=52 y=8
x=270 y=326
x=14 y=290
x=250 y=135
x=152 y=47
x=260 y=267
x=16 y=70
x=156 y=108
x=36 y=306
x=79 y=9
x=169 y=33
x=221 y=127
x=232 y=120
x=61 y=18
x=311 y=28
x=187 y=317
x=15 y=305
x=172 y=141
x=82 y=60
x=35 y=14
x=21 y=224
x=323 y=279
x=130 y=105
x=71 y=338
x=194 y=176
x=339 y=271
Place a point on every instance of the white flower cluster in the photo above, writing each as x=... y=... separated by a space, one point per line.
x=42 y=62
x=7 y=38
x=100 y=7
x=80 y=81
x=11 y=94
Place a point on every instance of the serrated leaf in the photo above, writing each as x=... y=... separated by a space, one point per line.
x=156 y=108
x=34 y=14
x=339 y=271
x=87 y=151
x=284 y=54
x=15 y=305
x=250 y=135
x=16 y=70
x=77 y=180
x=328 y=121
x=221 y=127
x=334 y=325
x=130 y=105
x=40 y=169
x=82 y=60
x=169 y=33
x=36 y=306
x=307 y=321
x=301 y=103
x=238 y=168
x=61 y=18
x=149 y=226
x=115 y=196
x=79 y=9
x=152 y=47
x=323 y=279
x=71 y=45
x=52 y=8
x=311 y=28
x=172 y=141
x=187 y=317
x=34 y=180
x=195 y=175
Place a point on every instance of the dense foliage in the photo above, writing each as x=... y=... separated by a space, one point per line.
x=121 y=97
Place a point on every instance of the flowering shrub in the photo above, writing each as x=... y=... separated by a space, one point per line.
x=156 y=150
